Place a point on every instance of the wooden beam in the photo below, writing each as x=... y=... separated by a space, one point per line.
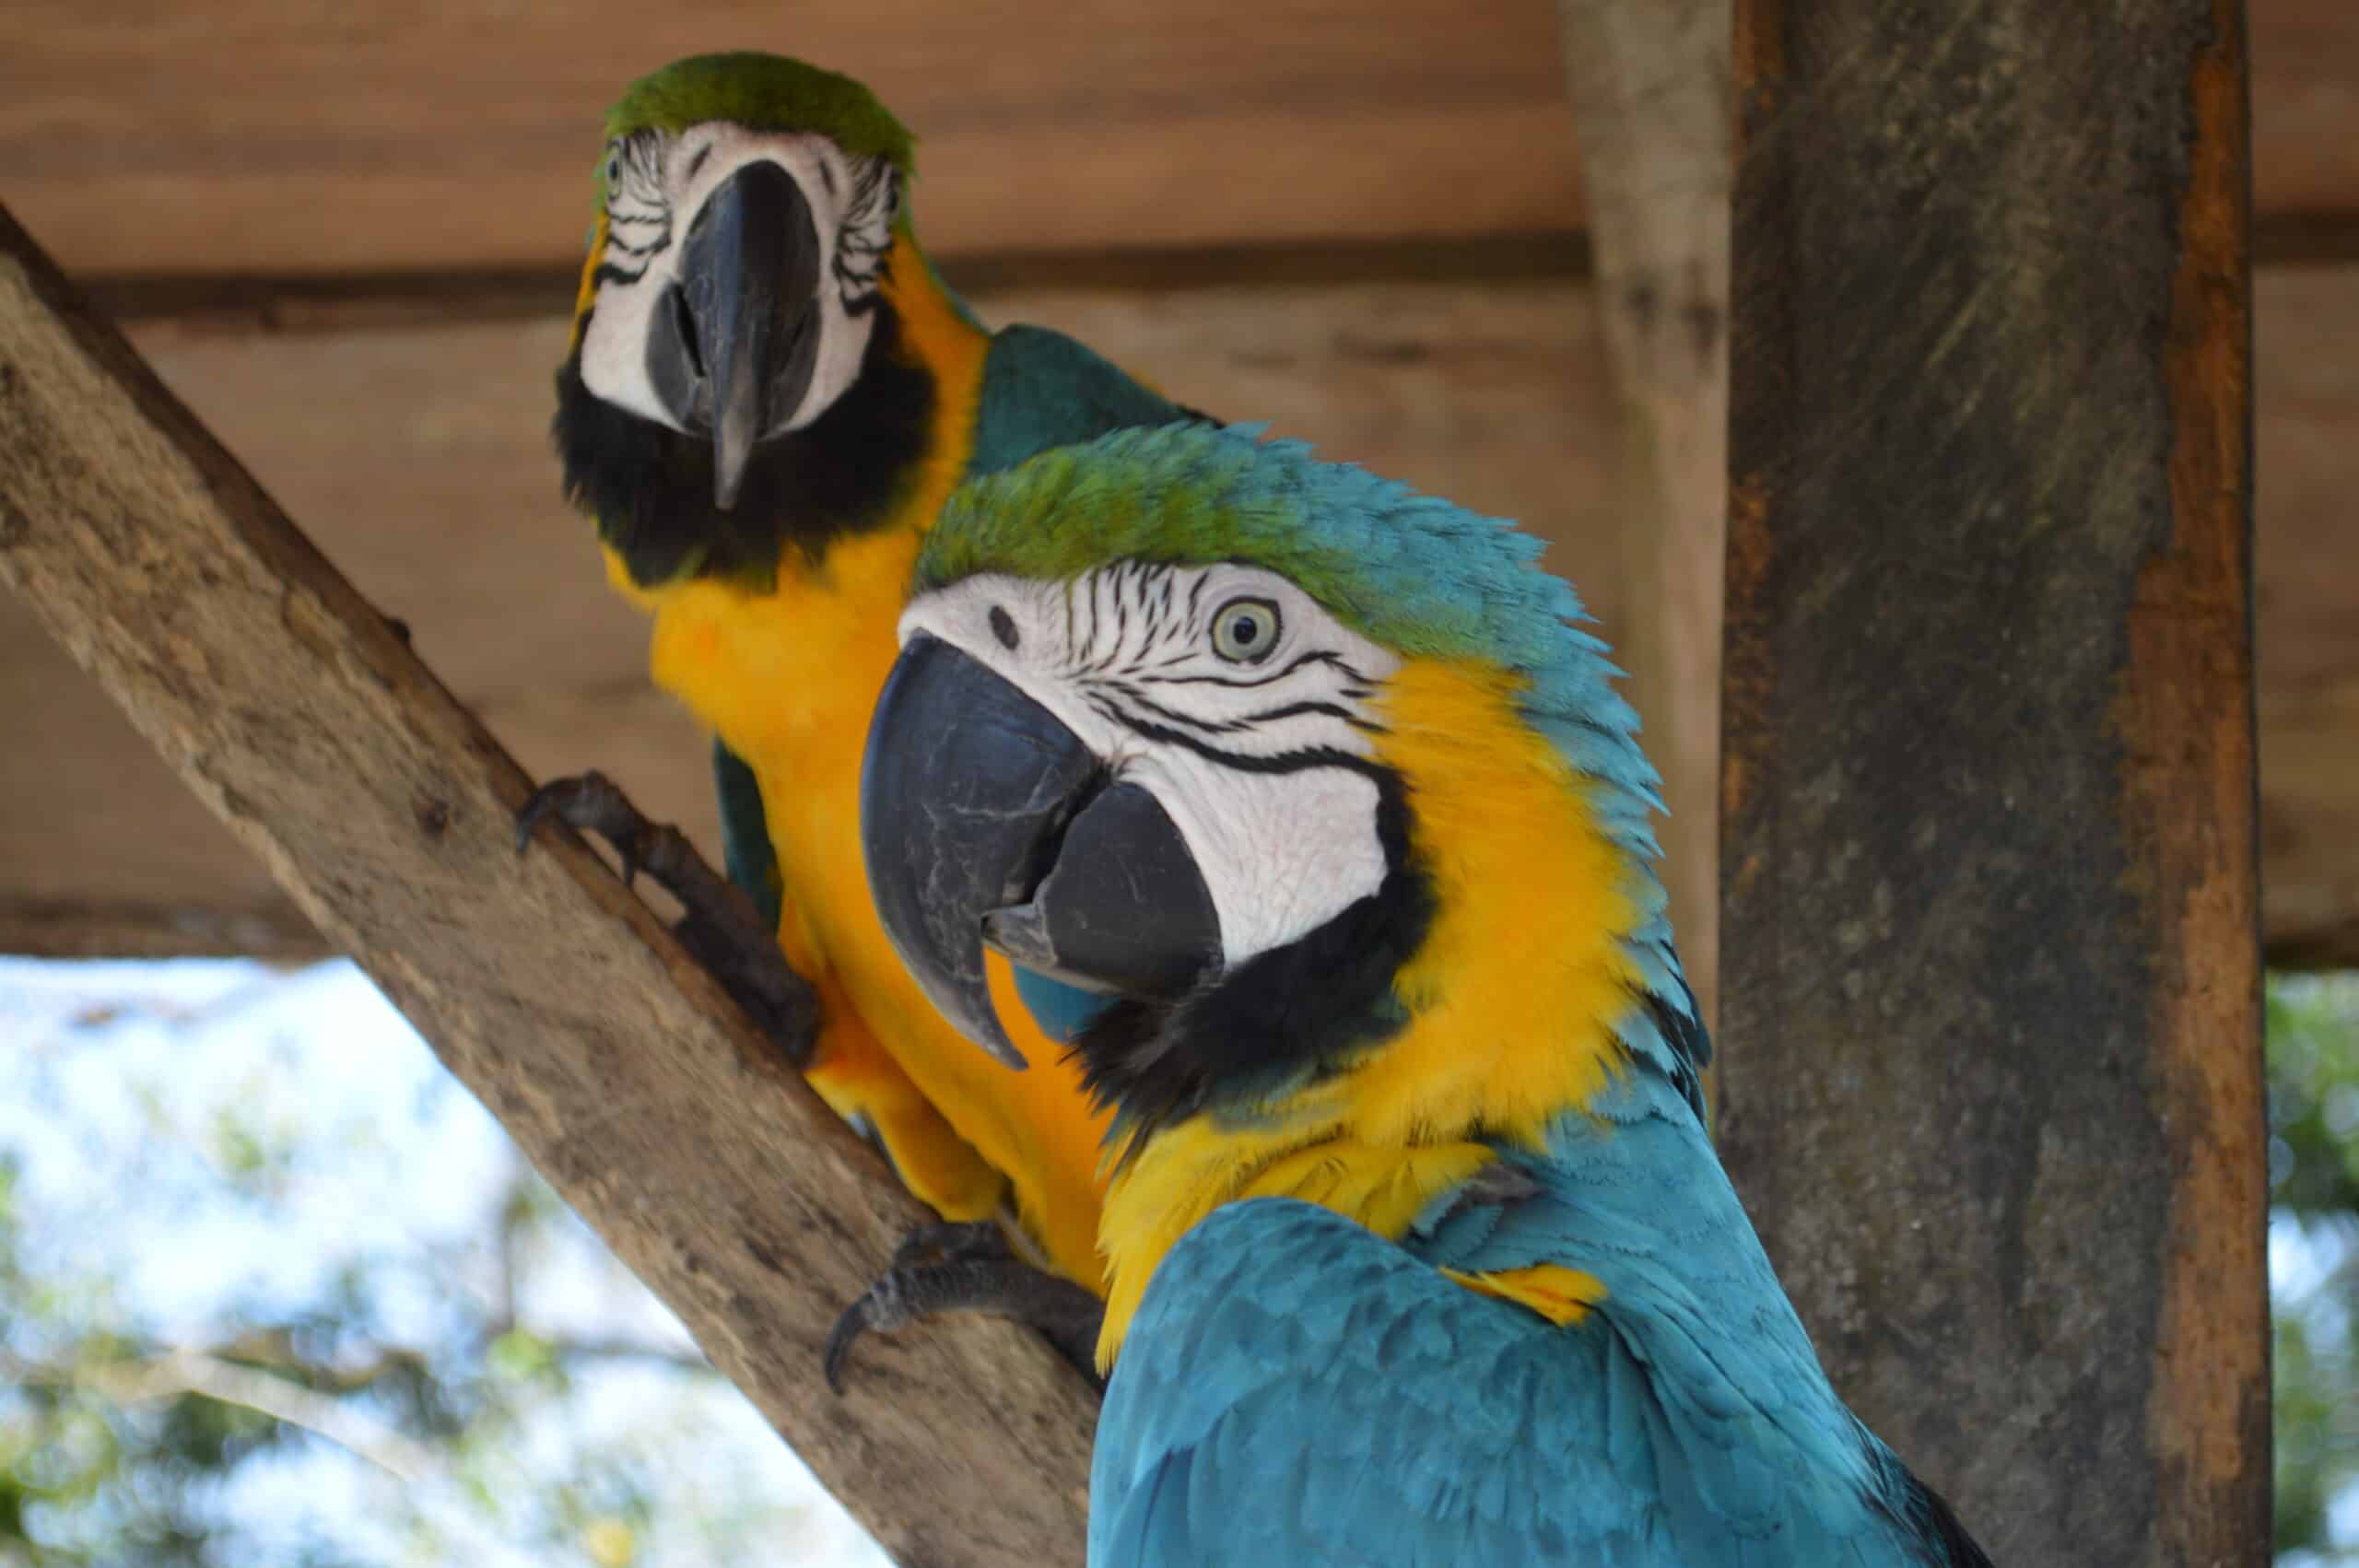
x=253 y=136
x=1650 y=81
x=382 y=135
x=86 y=929
x=1991 y=941
x=302 y=719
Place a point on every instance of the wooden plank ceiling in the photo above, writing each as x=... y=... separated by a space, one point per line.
x=246 y=136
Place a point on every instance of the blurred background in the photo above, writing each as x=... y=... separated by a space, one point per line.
x=273 y=1290
x=278 y=1290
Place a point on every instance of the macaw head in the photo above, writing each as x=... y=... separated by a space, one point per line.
x=1298 y=771
x=748 y=209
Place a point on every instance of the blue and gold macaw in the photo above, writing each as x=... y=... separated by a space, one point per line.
x=1418 y=1250
x=767 y=395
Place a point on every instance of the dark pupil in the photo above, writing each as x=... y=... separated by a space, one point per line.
x=1245 y=630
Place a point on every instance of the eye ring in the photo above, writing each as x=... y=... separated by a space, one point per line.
x=1246 y=631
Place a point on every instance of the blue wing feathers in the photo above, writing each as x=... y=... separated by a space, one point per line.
x=1042 y=389
x=1296 y=1389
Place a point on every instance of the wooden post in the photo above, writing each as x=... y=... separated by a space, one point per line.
x=1991 y=971
x=1650 y=82
x=299 y=715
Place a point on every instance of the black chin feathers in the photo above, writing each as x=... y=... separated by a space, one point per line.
x=1281 y=1018
x=650 y=488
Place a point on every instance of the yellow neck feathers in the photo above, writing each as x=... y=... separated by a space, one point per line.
x=764 y=669
x=587 y=295
x=1511 y=1000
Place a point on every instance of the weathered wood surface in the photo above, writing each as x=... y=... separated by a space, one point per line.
x=2306 y=382
x=299 y=716
x=247 y=136
x=263 y=137
x=1650 y=82
x=1991 y=940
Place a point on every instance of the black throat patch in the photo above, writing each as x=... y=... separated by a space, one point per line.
x=1281 y=1018
x=650 y=488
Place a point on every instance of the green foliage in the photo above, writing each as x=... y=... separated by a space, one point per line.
x=2314 y=1225
x=237 y=1331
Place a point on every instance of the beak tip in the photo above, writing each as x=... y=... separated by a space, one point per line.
x=1003 y=1050
x=732 y=449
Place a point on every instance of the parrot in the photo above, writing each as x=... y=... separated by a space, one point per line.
x=767 y=393
x=1418 y=1250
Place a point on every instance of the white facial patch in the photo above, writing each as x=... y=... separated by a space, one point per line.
x=657 y=184
x=1249 y=748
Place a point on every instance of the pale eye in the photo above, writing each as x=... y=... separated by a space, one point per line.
x=1245 y=630
x=614 y=169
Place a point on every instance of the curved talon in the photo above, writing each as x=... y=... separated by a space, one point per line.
x=587 y=803
x=721 y=926
x=537 y=808
x=879 y=1307
x=979 y=1274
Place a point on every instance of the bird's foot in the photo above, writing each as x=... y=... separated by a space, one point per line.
x=970 y=1268
x=720 y=929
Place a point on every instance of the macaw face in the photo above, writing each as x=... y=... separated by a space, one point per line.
x=1133 y=782
x=736 y=292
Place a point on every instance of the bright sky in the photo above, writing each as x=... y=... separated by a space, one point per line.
x=110 y=1077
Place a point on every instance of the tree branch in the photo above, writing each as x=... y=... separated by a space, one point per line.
x=300 y=716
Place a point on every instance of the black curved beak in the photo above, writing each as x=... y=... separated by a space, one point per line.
x=987 y=821
x=734 y=350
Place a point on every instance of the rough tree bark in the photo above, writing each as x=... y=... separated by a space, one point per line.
x=302 y=720
x=1988 y=846
x=1650 y=81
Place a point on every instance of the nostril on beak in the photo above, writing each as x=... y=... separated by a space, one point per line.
x=686 y=319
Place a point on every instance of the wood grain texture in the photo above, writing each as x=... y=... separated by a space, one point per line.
x=1990 y=938
x=1650 y=81
x=263 y=137
x=419 y=453
x=259 y=137
x=2189 y=810
x=272 y=929
x=2306 y=384
x=292 y=707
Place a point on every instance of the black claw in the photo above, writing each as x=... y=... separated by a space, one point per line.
x=587 y=803
x=970 y=1268
x=721 y=926
x=878 y=1309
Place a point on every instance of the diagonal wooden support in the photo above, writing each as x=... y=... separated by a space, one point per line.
x=1990 y=930
x=301 y=717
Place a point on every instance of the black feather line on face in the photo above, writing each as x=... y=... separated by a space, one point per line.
x=1281 y=1018
x=650 y=486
